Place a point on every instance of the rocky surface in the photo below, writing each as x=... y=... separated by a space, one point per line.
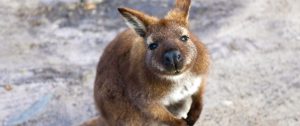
x=50 y=48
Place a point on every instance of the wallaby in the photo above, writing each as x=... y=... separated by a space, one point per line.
x=153 y=73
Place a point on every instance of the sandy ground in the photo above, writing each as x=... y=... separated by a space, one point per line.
x=49 y=51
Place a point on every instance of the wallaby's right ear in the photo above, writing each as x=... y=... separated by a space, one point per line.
x=180 y=12
x=137 y=20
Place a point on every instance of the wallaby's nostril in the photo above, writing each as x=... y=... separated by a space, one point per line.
x=177 y=56
x=168 y=58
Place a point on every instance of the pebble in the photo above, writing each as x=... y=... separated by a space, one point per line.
x=8 y=87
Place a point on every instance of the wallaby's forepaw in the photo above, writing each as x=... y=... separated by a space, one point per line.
x=190 y=121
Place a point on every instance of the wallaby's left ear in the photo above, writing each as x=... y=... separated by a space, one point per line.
x=180 y=12
x=137 y=20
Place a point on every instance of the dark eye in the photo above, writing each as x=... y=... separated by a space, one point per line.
x=153 y=46
x=184 y=38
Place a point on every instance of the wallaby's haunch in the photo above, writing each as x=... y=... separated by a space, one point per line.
x=154 y=73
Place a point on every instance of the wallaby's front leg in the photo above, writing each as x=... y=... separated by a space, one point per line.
x=196 y=107
x=161 y=114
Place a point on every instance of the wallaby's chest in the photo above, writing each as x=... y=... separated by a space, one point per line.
x=183 y=87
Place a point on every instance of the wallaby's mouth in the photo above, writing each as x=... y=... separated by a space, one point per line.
x=175 y=68
x=174 y=71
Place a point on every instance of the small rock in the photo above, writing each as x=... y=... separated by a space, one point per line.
x=227 y=103
x=8 y=87
x=72 y=6
x=33 y=46
x=89 y=6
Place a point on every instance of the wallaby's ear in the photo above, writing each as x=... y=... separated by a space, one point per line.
x=180 y=12
x=137 y=20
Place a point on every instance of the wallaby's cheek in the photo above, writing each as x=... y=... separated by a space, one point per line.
x=152 y=62
x=191 y=53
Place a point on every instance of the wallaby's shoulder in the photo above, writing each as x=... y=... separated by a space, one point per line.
x=203 y=59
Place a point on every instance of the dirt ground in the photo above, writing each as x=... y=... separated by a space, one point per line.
x=49 y=50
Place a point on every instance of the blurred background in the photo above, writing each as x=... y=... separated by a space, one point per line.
x=49 y=50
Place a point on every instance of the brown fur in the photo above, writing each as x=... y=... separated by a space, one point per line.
x=128 y=88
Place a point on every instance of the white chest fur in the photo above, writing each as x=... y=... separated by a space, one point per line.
x=184 y=86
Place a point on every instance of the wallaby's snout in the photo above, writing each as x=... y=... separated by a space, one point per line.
x=173 y=61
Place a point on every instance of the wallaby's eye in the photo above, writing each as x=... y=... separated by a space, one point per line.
x=184 y=38
x=153 y=46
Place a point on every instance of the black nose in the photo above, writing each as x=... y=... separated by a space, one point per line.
x=173 y=60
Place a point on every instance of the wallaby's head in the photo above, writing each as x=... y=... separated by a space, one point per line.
x=170 y=49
